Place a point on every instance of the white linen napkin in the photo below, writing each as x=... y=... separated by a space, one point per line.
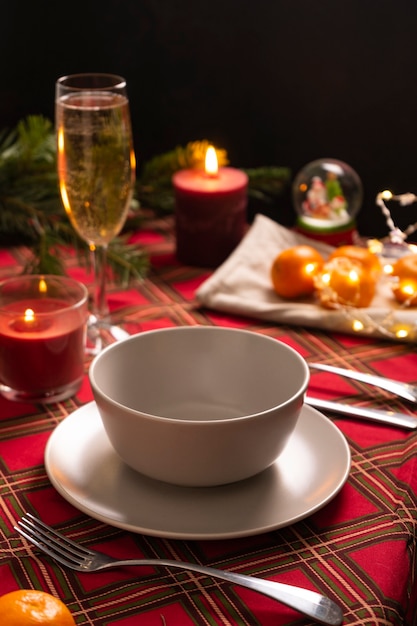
x=242 y=285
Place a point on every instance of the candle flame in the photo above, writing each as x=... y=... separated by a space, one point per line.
x=29 y=315
x=211 y=164
x=133 y=161
x=43 y=287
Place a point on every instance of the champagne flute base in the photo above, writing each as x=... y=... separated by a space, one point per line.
x=101 y=333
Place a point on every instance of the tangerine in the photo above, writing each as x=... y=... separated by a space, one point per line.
x=293 y=271
x=29 y=607
x=368 y=259
x=405 y=269
x=345 y=282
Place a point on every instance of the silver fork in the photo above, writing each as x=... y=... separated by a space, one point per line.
x=404 y=390
x=76 y=557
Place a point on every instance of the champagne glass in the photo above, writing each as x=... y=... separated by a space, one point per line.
x=96 y=169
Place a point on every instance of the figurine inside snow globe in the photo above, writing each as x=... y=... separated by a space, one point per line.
x=327 y=195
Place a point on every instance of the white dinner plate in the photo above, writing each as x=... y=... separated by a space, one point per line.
x=84 y=468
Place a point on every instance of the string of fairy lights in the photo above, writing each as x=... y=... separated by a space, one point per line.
x=391 y=324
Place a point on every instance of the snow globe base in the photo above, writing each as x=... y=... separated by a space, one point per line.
x=342 y=235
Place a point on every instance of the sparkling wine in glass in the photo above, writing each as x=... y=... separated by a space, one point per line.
x=96 y=165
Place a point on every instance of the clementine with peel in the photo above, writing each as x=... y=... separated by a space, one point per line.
x=345 y=282
x=364 y=256
x=293 y=271
x=29 y=607
x=405 y=269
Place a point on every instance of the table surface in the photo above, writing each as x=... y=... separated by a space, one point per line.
x=359 y=549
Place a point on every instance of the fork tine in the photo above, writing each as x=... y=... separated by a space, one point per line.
x=53 y=543
x=52 y=553
x=55 y=536
x=48 y=540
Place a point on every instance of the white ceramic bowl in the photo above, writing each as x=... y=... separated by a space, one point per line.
x=199 y=406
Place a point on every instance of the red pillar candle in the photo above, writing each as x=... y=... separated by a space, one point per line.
x=42 y=337
x=210 y=214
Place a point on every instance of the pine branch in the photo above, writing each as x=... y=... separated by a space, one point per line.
x=31 y=210
x=154 y=187
x=127 y=260
x=268 y=183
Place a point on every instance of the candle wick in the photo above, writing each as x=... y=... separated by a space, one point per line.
x=212 y=175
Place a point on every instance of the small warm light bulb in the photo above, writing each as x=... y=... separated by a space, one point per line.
x=408 y=289
x=353 y=276
x=211 y=164
x=386 y=195
x=388 y=268
x=310 y=268
x=375 y=246
x=325 y=278
x=357 y=325
x=402 y=333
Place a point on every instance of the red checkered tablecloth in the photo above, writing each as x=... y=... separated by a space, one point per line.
x=359 y=549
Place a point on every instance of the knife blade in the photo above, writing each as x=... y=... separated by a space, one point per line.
x=386 y=417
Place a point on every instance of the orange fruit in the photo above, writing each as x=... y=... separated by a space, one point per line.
x=368 y=259
x=345 y=282
x=293 y=271
x=29 y=607
x=405 y=269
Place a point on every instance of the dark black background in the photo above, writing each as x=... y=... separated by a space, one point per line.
x=275 y=82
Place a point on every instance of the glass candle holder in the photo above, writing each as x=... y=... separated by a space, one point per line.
x=42 y=337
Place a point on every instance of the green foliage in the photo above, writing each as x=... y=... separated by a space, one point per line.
x=267 y=183
x=31 y=210
x=154 y=187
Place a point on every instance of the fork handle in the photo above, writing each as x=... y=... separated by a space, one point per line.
x=312 y=604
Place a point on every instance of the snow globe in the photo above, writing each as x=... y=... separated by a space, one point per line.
x=327 y=195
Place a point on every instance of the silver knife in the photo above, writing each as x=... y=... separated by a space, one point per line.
x=386 y=417
x=404 y=390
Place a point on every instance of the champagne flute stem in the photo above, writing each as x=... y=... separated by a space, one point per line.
x=100 y=305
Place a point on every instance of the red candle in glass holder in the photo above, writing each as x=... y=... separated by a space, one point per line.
x=210 y=212
x=42 y=344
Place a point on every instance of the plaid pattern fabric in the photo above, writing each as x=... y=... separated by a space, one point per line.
x=360 y=549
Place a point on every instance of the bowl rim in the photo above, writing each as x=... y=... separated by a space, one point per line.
x=176 y=329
